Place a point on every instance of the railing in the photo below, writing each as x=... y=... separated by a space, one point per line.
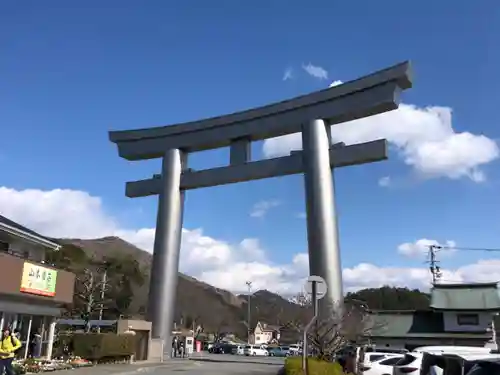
x=32 y=260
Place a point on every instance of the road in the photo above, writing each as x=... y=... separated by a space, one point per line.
x=224 y=364
x=199 y=364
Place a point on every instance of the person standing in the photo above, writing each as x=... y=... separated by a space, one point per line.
x=9 y=344
x=174 y=347
x=181 y=348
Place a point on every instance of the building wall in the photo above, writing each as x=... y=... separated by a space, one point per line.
x=28 y=250
x=388 y=342
x=263 y=336
x=11 y=270
x=451 y=322
x=411 y=343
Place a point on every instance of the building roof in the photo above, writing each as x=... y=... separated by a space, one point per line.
x=19 y=230
x=423 y=324
x=473 y=296
x=80 y=322
x=268 y=327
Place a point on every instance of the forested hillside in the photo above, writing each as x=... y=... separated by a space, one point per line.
x=197 y=302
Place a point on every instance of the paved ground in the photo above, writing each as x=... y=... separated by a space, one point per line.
x=227 y=364
x=199 y=364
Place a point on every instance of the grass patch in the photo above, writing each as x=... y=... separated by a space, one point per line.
x=293 y=366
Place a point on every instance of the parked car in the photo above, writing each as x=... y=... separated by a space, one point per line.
x=221 y=348
x=380 y=363
x=435 y=357
x=294 y=349
x=238 y=350
x=484 y=366
x=468 y=363
x=255 y=350
x=278 y=351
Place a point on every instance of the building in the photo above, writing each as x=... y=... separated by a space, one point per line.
x=266 y=333
x=32 y=293
x=460 y=314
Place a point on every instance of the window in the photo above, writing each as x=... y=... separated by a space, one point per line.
x=390 y=361
x=485 y=369
x=4 y=246
x=406 y=360
x=468 y=319
x=375 y=357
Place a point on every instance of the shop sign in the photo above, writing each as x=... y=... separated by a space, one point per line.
x=38 y=280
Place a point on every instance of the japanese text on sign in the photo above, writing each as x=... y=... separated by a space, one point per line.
x=38 y=280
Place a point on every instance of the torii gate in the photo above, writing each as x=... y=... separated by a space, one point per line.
x=312 y=115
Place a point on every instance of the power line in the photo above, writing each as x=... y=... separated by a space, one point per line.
x=440 y=247
x=434 y=267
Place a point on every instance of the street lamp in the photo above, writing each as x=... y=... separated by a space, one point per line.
x=249 y=286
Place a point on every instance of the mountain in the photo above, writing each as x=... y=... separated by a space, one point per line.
x=217 y=309
x=392 y=298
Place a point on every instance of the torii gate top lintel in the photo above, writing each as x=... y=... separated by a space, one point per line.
x=366 y=96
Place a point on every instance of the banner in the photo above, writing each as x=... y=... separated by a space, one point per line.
x=38 y=280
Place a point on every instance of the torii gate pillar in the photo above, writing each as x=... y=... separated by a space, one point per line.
x=322 y=228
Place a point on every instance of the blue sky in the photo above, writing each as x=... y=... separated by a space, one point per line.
x=70 y=72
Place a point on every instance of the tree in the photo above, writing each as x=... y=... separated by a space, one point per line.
x=346 y=325
x=220 y=328
x=332 y=332
x=392 y=298
x=124 y=276
x=69 y=257
x=88 y=296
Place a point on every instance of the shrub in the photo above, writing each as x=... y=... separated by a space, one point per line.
x=63 y=346
x=293 y=366
x=103 y=346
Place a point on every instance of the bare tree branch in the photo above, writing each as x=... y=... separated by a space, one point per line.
x=341 y=327
x=350 y=324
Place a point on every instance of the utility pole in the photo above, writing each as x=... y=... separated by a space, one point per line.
x=104 y=285
x=249 y=286
x=433 y=264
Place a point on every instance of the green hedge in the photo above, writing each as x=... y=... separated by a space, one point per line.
x=293 y=366
x=63 y=339
x=102 y=346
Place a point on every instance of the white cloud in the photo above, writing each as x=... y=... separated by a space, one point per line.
x=261 y=208
x=384 y=181
x=423 y=137
x=69 y=213
x=315 y=71
x=288 y=74
x=336 y=83
x=422 y=247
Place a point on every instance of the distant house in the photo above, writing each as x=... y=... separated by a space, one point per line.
x=266 y=333
x=460 y=314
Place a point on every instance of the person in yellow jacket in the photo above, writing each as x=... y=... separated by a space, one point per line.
x=9 y=344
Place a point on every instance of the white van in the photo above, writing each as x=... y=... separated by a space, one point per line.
x=434 y=356
x=460 y=364
x=255 y=350
x=294 y=349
